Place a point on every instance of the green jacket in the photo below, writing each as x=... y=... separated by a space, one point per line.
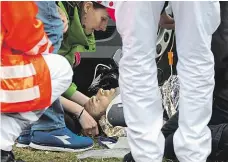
x=74 y=40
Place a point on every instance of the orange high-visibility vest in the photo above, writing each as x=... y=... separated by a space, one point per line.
x=25 y=76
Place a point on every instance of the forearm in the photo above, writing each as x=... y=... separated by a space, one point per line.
x=79 y=98
x=71 y=106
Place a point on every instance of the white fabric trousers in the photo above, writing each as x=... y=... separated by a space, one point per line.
x=137 y=23
x=13 y=123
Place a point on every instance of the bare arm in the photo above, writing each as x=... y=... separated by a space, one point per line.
x=71 y=106
x=87 y=122
x=79 y=98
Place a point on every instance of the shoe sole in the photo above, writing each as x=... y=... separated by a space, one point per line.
x=20 y=145
x=59 y=149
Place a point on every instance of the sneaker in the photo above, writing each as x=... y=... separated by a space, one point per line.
x=8 y=156
x=60 y=140
x=23 y=140
x=128 y=158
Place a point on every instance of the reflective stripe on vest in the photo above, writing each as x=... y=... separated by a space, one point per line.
x=25 y=83
x=17 y=71
x=13 y=96
x=43 y=45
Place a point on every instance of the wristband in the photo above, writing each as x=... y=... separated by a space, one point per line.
x=81 y=113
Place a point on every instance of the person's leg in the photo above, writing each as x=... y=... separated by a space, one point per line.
x=195 y=23
x=168 y=130
x=53 y=117
x=219 y=115
x=219 y=143
x=13 y=123
x=219 y=138
x=11 y=126
x=137 y=23
x=171 y=125
x=219 y=135
x=220 y=50
x=60 y=139
x=219 y=119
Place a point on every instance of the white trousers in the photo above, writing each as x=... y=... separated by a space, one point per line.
x=137 y=23
x=13 y=123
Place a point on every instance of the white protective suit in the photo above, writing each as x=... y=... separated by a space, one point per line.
x=137 y=23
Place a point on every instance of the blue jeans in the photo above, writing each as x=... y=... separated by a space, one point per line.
x=53 y=25
x=53 y=117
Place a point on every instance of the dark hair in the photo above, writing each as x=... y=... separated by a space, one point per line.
x=97 y=5
x=70 y=5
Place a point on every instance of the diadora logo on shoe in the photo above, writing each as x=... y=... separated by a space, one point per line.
x=64 y=139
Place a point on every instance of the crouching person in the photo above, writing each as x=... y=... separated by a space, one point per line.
x=31 y=77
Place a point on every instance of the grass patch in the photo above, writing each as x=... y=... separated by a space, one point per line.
x=31 y=155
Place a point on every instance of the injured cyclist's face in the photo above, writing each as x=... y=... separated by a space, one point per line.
x=98 y=104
